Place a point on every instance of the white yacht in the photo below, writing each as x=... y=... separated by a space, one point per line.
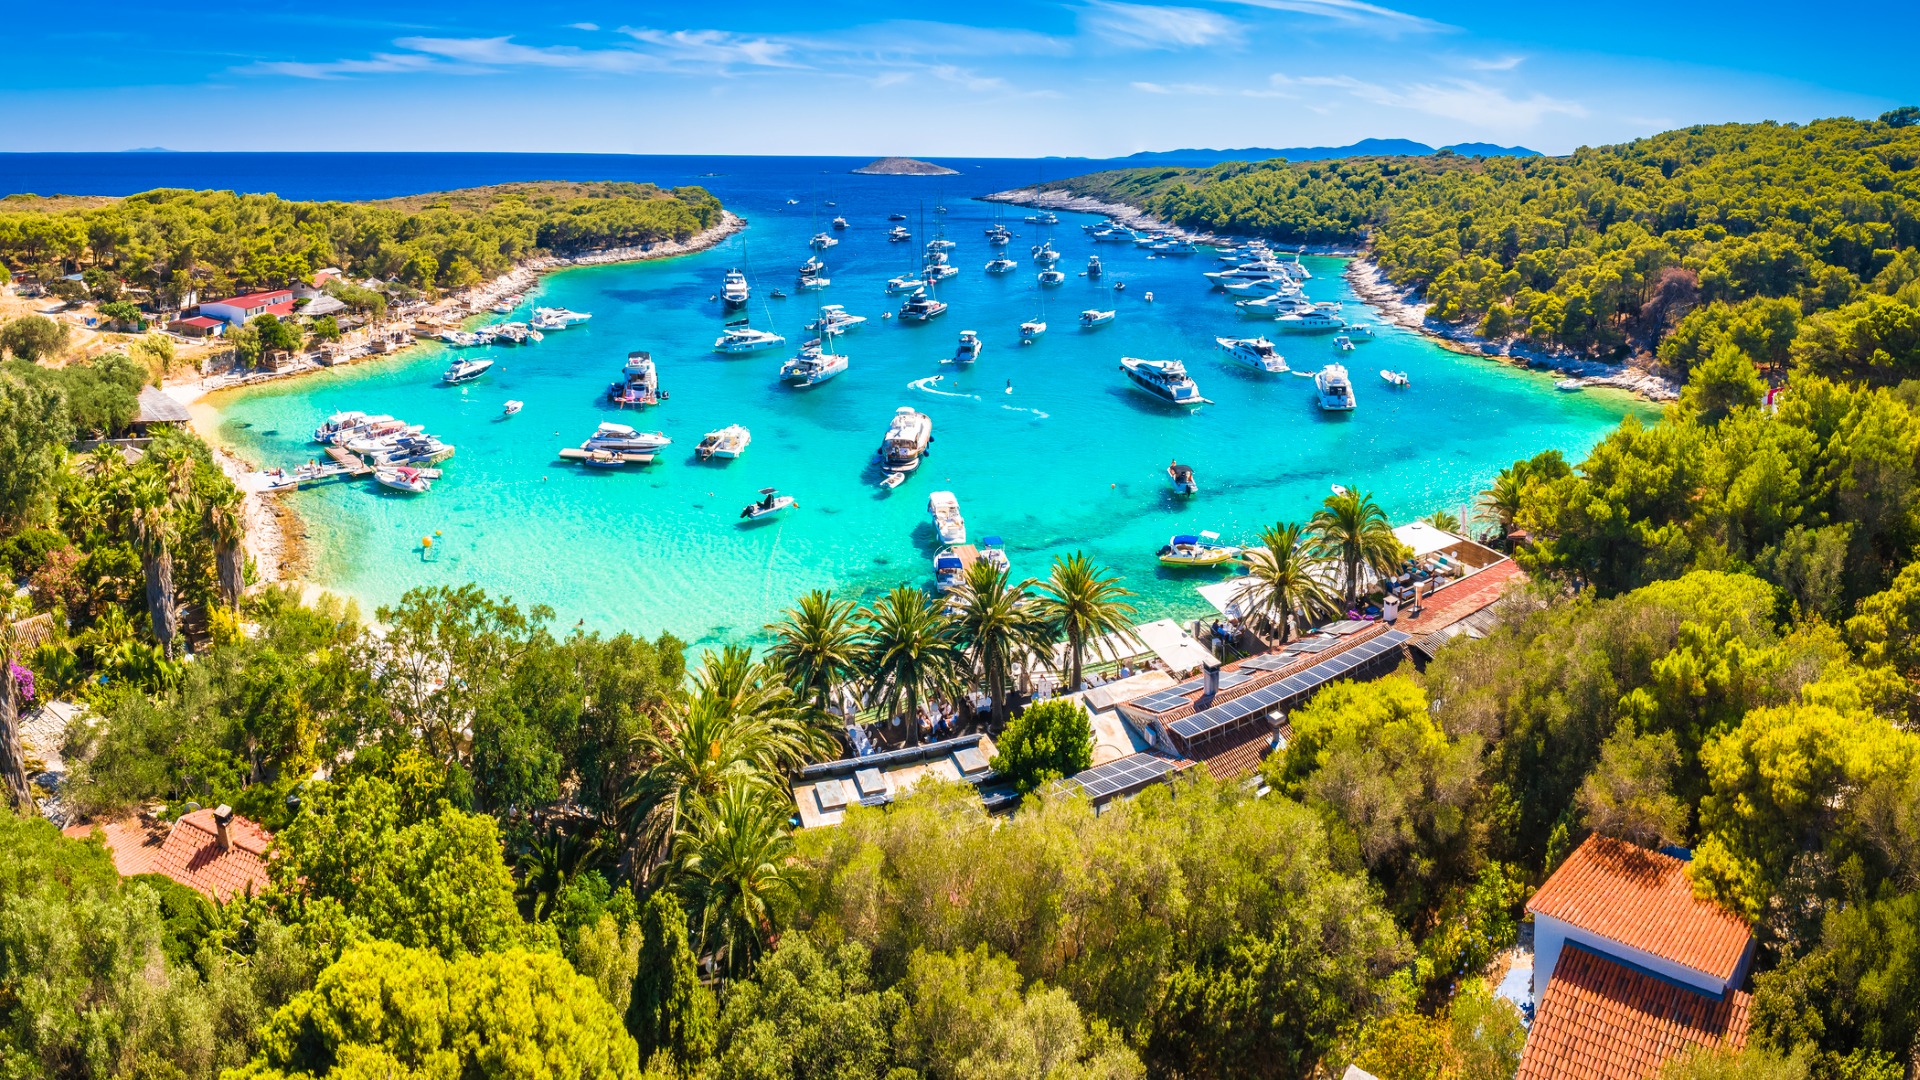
x=1244 y=271
x=465 y=371
x=1051 y=279
x=738 y=340
x=621 y=438
x=945 y=509
x=898 y=234
x=1335 y=389
x=1044 y=217
x=735 y=291
x=839 y=223
x=1044 y=255
x=729 y=442
x=639 y=382
x=1274 y=306
x=562 y=316
x=905 y=284
x=969 y=348
x=1031 y=330
x=822 y=241
x=921 y=307
x=1166 y=380
x=834 y=321
x=1002 y=265
x=906 y=441
x=1257 y=353
x=1251 y=287
x=813 y=267
x=1093 y=317
x=1308 y=322
x=814 y=284
x=812 y=366
x=1396 y=379
x=1093 y=267
x=941 y=244
x=939 y=272
x=1358 y=333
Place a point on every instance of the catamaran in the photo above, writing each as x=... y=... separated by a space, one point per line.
x=1052 y=278
x=738 y=340
x=811 y=366
x=834 y=321
x=1000 y=264
x=921 y=307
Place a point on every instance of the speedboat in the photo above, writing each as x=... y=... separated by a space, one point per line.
x=1093 y=317
x=839 y=223
x=896 y=217
x=1182 y=478
x=1343 y=343
x=547 y=322
x=949 y=569
x=1396 y=379
x=1044 y=217
x=465 y=371
x=340 y=423
x=969 y=348
x=745 y=339
x=993 y=552
x=639 y=382
x=1052 y=279
x=1093 y=266
x=941 y=244
x=1031 y=330
x=834 y=321
x=403 y=479
x=1273 y=306
x=770 y=502
x=812 y=366
x=513 y=407
x=458 y=338
x=920 y=307
x=1308 y=322
x=1166 y=380
x=1335 y=390
x=1044 y=255
x=621 y=438
x=1002 y=265
x=735 y=291
x=1189 y=551
x=904 y=283
x=822 y=241
x=906 y=441
x=947 y=521
x=812 y=267
x=814 y=284
x=1571 y=386
x=1257 y=353
x=899 y=234
x=1358 y=333
x=729 y=442
x=561 y=317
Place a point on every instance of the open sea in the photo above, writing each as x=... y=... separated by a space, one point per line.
x=1070 y=458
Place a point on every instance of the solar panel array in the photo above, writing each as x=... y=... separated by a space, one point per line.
x=1208 y=720
x=1268 y=662
x=1169 y=699
x=1123 y=776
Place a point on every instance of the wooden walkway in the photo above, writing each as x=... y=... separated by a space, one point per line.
x=349 y=460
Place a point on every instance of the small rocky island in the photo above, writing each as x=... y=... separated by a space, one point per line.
x=902 y=166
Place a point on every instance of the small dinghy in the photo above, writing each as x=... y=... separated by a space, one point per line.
x=1396 y=379
x=403 y=479
x=513 y=407
x=771 y=502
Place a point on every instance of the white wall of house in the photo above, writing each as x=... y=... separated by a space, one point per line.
x=1550 y=935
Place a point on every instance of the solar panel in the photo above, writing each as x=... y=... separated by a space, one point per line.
x=1207 y=720
x=1266 y=662
x=1122 y=775
x=1233 y=678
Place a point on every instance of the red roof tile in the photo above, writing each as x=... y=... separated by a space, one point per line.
x=1642 y=899
x=1236 y=756
x=254 y=300
x=1462 y=598
x=201 y=321
x=189 y=852
x=1601 y=1021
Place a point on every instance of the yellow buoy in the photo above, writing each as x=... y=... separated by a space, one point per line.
x=426 y=541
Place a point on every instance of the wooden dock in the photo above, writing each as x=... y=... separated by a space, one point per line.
x=349 y=461
x=603 y=457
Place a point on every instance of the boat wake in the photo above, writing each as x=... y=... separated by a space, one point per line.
x=1037 y=414
x=927 y=385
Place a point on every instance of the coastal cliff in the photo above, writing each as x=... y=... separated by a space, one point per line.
x=900 y=166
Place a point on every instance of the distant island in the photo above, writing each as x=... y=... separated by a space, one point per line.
x=1363 y=148
x=149 y=150
x=903 y=166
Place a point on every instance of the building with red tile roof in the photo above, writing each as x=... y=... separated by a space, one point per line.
x=238 y=309
x=1602 y=1021
x=215 y=852
x=1630 y=968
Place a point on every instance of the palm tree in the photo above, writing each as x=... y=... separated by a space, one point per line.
x=13 y=762
x=1444 y=520
x=735 y=870
x=229 y=530
x=1285 y=575
x=154 y=530
x=819 y=645
x=754 y=692
x=912 y=651
x=1002 y=627
x=1082 y=602
x=1352 y=529
x=1502 y=500
x=550 y=862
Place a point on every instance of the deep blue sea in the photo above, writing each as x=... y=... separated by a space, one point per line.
x=1071 y=459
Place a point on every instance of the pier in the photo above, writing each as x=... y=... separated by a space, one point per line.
x=604 y=457
x=349 y=461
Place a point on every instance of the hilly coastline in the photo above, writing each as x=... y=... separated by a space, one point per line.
x=1363 y=148
x=900 y=166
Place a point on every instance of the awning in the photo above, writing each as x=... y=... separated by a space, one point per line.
x=1174 y=646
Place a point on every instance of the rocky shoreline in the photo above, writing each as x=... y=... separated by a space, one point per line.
x=1402 y=307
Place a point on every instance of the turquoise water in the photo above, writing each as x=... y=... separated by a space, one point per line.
x=1071 y=459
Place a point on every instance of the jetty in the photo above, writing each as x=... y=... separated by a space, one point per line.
x=348 y=460
x=607 y=457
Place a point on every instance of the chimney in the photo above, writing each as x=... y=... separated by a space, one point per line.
x=1212 y=688
x=222 y=818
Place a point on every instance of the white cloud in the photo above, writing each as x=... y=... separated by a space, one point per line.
x=1144 y=26
x=378 y=64
x=1500 y=63
x=501 y=52
x=1351 y=12
x=708 y=47
x=1194 y=89
x=587 y=26
x=1464 y=100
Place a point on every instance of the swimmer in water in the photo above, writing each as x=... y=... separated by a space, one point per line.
x=1009 y=386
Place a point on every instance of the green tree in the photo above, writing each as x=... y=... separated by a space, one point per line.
x=1724 y=382
x=386 y=1010
x=35 y=428
x=275 y=335
x=809 y=1010
x=326 y=328
x=1002 y=628
x=968 y=1015
x=1285 y=577
x=1854 y=994
x=1083 y=602
x=1353 y=531
x=673 y=1012
x=33 y=338
x=1629 y=795
x=912 y=652
x=818 y=644
x=1049 y=740
x=733 y=869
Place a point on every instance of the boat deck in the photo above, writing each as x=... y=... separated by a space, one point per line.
x=575 y=453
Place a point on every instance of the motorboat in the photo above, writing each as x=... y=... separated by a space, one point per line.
x=771 y=502
x=1335 y=389
x=905 y=284
x=1257 y=353
x=1273 y=306
x=1343 y=343
x=1044 y=217
x=729 y=442
x=814 y=284
x=813 y=267
x=734 y=291
x=941 y=243
x=906 y=441
x=1093 y=267
x=969 y=348
x=502 y=308
x=459 y=338
x=899 y=234
x=1166 y=380
x=1331 y=307
x=1358 y=333
x=939 y=272
x=949 y=569
x=1249 y=288
x=1177 y=247
x=839 y=224
x=340 y=423
x=993 y=552
x=778 y=293
x=1188 y=551
x=921 y=307
x=1570 y=386
x=737 y=340
x=812 y=366
x=1396 y=379
x=513 y=408
x=834 y=321
x=404 y=479
x=561 y=316
x=945 y=509
x=1264 y=268
x=1030 y=330
x=1002 y=265
x=896 y=217
x=411 y=450
x=1182 y=479
x=1044 y=255
x=1093 y=317
x=822 y=241
x=465 y=371
x=621 y=438
x=639 y=382
x=1308 y=322
x=547 y=322
x=1052 y=279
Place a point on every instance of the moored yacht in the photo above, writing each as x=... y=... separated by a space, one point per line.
x=729 y=442
x=1334 y=388
x=640 y=382
x=814 y=284
x=906 y=441
x=947 y=522
x=1031 y=330
x=1166 y=380
x=1257 y=353
x=941 y=244
x=1093 y=317
x=921 y=307
x=1181 y=476
x=621 y=438
x=562 y=316
x=1044 y=217
x=1273 y=306
x=1052 y=278
x=813 y=267
x=905 y=283
x=812 y=366
x=1093 y=266
x=969 y=348
x=834 y=321
x=822 y=241
x=1044 y=255
x=1308 y=322
x=1189 y=551
x=1002 y=265
x=735 y=291
x=839 y=223
x=737 y=340
x=899 y=234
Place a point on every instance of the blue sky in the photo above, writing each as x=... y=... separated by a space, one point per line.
x=1084 y=77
